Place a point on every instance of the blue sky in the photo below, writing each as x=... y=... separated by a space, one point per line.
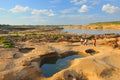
x=58 y=12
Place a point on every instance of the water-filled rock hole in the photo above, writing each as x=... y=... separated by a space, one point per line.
x=53 y=63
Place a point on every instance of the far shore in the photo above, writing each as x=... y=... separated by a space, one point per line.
x=93 y=27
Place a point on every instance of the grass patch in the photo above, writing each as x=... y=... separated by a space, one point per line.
x=8 y=44
x=31 y=34
x=2 y=40
x=14 y=36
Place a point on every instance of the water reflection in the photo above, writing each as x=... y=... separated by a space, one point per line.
x=50 y=69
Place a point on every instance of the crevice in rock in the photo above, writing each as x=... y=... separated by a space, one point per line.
x=25 y=50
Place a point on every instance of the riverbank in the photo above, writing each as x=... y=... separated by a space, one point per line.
x=93 y=27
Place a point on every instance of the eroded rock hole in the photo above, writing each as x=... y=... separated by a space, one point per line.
x=54 y=62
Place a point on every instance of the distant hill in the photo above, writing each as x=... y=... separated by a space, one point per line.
x=112 y=25
x=106 y=23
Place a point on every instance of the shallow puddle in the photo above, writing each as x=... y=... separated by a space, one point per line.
x=55 y=65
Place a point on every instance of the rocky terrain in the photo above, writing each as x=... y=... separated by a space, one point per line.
x=23 y=64
x=22 y=55
x=102 y=66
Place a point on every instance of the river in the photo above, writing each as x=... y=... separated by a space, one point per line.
x=80 y=31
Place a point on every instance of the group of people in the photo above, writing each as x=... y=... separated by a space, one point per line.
x=85 y=41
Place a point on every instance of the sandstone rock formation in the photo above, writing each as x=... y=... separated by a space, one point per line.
x=24 y=65
x=99 y=67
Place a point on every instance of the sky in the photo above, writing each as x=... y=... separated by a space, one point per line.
x=58 y=12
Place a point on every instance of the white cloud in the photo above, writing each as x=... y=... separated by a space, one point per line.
x=1 y=9
x=95 y=2
x=28 y=17
x=54 y=1
x=68 y=10
x=84 y=8
x=80 y=18
x=34 y=18
x=110 y=8
x=44 y=12
x=18 y=9
x=76 y=2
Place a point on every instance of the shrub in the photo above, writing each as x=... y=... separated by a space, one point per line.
x=31 y=34
x=56 y=38
x=14 y=36
x=2 y=40
x=8 y=44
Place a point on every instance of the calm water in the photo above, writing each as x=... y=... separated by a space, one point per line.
x=50 y=69
x=79 y=31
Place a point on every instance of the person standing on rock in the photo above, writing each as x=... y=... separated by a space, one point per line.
x=81 y=40
x=94 y=42
x=86 y=42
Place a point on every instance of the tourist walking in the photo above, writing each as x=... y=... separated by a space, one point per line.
x=94 y=42
x=81 y=40
x=86 y=42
